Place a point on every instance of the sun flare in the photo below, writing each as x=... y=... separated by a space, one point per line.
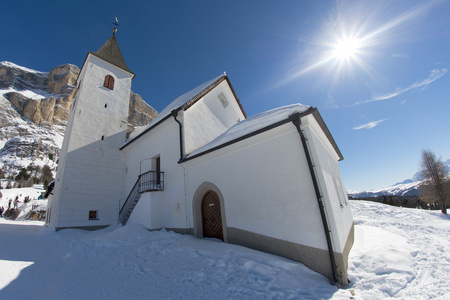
x=346 y=48
x=350 y=42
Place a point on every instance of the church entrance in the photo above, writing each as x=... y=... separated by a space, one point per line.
x=211 y=216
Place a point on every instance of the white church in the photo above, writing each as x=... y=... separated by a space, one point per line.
x=270 y=182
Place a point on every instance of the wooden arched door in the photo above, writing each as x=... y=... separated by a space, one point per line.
x=211 y=216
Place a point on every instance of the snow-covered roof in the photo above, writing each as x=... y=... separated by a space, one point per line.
x=184 y=99
x=252 y=124
x=179 y=103
x=262 y=122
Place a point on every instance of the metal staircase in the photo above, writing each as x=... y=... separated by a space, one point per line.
x=147 y=182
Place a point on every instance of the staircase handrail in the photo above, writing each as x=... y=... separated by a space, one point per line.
x=146 y=182
x=134 y=193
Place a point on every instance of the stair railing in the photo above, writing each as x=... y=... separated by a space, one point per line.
x=146 y=182
x=130 y=203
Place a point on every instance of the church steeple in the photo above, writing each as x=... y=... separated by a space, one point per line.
x=96 y=128
x=110 y=52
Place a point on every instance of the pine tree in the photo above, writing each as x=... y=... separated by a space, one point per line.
x=47 y=175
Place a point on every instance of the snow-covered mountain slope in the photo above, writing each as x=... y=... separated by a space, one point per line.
x=34 y=107
x=400 y=189
x=408 y=187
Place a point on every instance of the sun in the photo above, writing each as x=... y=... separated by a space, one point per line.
x=346 y=48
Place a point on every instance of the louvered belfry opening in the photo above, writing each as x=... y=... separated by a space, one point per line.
x=211 y=216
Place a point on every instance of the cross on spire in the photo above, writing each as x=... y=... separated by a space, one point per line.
x=116 y=23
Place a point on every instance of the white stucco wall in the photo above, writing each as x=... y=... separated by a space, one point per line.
x=91 y=172
x=331 y=185
x=201 y=123
x=148 y=211
x=162 y=141
x=208 y=118
x=266 y=185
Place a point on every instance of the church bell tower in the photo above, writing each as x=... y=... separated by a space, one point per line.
x=90 y=179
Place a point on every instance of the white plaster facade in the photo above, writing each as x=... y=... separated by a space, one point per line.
x=91 y=169
x=258 y=168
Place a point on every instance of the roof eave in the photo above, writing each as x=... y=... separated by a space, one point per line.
x=123 y=69
x=323 y=126
x=235 y=96
x=185 y=106
x=244 y=137
x=148 y=129
x=311 y=110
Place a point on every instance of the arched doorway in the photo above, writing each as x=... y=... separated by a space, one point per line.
x=211 y=216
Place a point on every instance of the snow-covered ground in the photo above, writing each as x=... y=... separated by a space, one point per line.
x=400 y=253
x=32 y=192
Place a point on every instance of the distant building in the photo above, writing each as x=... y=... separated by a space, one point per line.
x=270 y=182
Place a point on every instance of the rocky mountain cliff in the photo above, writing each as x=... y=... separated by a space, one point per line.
x=34 y=107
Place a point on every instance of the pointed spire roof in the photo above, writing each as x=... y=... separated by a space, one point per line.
x=110 y=52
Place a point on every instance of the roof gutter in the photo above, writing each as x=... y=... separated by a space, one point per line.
x=296 y=120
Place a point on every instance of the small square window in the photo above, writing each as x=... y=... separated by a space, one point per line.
x=93 y=215
x=103 y=137
x=223 y=100
x=106 y=105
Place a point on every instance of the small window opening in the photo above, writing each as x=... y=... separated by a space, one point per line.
x=158 y=170
x=103 y=137
x=109 y=82
x=106 y=105
x=223 y=100
x=93 y=215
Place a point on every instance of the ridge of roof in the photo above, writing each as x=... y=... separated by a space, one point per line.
x=111 y=53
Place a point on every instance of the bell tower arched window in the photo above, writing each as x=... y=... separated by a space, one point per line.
x=109 y=82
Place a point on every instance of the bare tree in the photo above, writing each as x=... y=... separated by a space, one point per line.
x=435 y=187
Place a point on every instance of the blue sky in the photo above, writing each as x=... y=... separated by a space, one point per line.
x=376 y=70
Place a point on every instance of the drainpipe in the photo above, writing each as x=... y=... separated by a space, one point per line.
x=175 y=114
x=296 y=120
